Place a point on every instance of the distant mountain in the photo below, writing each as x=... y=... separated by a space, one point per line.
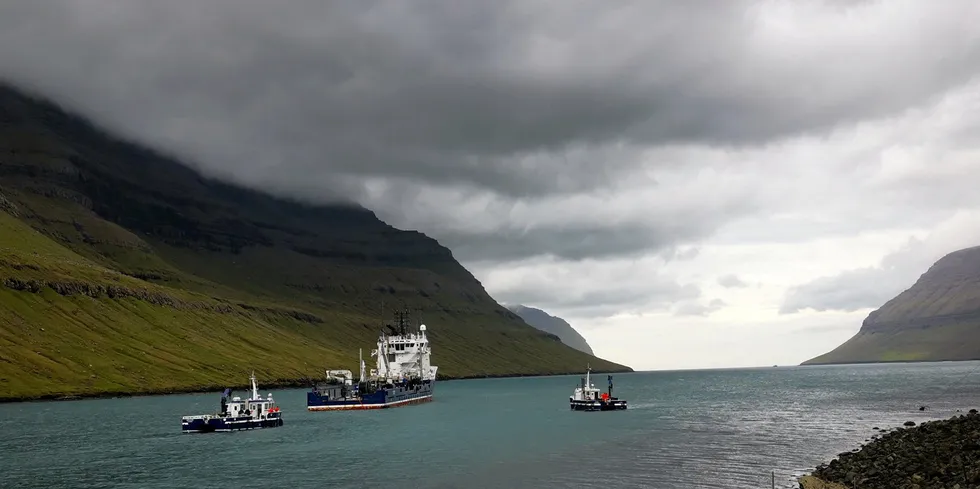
x=936 y=319
x=554 y=325
x=123 y=270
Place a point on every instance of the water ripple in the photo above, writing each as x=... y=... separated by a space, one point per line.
x=710 y=429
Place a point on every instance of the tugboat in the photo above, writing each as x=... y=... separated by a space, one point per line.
x=403 y=375
x=586 y=397
x=249 y=414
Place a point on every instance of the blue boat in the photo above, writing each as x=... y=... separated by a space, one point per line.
x=238 y=414
x=403 y=375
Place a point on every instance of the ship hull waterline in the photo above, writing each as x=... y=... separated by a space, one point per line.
x=354 y=405
x=397 y=397
x=223 y=426
x=616 y=405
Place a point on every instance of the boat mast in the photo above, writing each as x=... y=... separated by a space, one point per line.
x=255 y=388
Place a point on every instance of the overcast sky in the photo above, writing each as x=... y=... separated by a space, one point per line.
x=689 y=183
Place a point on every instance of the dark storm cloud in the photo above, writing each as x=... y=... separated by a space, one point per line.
x=523 y=99
x=578 y=243
x=483 y=93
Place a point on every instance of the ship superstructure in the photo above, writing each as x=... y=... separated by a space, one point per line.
x=403 y=374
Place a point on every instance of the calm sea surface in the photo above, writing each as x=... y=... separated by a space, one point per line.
x=684 y=429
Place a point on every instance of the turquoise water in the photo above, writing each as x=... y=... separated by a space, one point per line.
x=711 y=428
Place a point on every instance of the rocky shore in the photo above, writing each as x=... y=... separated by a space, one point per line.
x=936 y=454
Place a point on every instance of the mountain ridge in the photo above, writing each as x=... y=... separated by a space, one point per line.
x=554 y=325
x=935 y=319
x=100 y=232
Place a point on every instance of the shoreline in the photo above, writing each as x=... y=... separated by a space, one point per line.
x=274 y=384
x=872 y=362
x=943 y=452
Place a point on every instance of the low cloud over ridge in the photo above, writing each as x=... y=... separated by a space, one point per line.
x=641 y=157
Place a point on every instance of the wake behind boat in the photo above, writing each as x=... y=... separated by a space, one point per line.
x=586 y=397
x=249 y=414
x=403 y=375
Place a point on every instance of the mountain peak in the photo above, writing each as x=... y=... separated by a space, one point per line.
x=552 y=324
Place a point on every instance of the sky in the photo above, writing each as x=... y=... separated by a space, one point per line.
x=690 y=184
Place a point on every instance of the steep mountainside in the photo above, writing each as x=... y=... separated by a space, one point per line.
x=124 y=271
x=554 y=325
x=937 y=319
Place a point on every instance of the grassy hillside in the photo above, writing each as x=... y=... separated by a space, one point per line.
x=936 y=319
x=125 y=271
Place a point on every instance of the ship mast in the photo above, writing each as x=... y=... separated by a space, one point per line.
x=360 y=361
x=255 y=388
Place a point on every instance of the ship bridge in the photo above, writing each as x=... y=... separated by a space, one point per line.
x=403 y=355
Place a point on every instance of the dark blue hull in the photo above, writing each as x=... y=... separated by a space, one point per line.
x=208 y=425
x=399 y=395
x=598 y=405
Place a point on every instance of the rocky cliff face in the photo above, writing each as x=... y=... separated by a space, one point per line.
x=554 y=325
x=938 y=318
x=92 y=213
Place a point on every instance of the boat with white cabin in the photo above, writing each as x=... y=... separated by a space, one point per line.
x=255 y=412
x=586 y=397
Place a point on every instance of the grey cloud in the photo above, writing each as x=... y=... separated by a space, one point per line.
x=871 y=287
x=699 y=309
x=848 y=291
x=520 y=97
x=630 y=222
x=681 y=254
x=586 y=241
x=731 y=281
x=578 y=300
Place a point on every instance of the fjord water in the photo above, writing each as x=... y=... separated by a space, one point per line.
x=684 y=429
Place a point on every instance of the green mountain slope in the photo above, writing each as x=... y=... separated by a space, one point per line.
x=554 y=325
x=124 y=271
x=936 y=319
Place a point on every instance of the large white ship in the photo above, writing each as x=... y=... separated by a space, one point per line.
x=403 y=374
